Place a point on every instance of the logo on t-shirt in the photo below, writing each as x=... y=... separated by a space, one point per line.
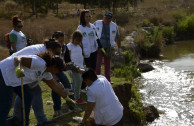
x=38 y=73
x=113 y=32
x=84 y=34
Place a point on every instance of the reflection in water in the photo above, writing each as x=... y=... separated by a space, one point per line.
x=170 y=87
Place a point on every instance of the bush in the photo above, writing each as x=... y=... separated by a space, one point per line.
x=185 y=28
x=150 y=43
x=168 y=34
x=146 y=23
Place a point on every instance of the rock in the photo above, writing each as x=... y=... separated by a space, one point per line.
x=151 y=113
x=143 y=67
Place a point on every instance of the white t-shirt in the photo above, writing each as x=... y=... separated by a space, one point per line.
x=35 y=73
x=108 y=110
x=76 y=54
x=31 y=50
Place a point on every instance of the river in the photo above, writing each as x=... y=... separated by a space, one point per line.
x=170 y=87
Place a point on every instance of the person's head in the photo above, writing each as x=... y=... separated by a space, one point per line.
x=54 y=63
x=77 y=37
x=59 y=36
x=53 y=46
x=85 y=17
x=107 y=17
x=89 y=77
x=17 y=23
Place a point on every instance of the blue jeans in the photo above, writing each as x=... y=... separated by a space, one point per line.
x=56 y=98
x=6 y=96
x=77 y=82
x=37 y=105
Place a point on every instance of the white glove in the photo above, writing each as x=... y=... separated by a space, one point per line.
x=68 y=91
x=119 y=50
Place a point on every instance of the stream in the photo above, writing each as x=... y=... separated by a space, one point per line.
x=170 y=87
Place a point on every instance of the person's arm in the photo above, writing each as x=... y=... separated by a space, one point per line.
x=56 y=87
x=13 y=40
x=88 y=111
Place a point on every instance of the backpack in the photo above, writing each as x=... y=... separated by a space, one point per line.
x=7 y=41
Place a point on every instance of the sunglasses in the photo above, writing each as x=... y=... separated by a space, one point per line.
x=19 y=26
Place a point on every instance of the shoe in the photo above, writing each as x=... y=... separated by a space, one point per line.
x=111 y=83
x=12 y=121
x=57 y=113
x=77 y=109
x=84 y=90
x=48 y=121
x=80 y=101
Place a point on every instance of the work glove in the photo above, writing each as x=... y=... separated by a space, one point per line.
x=71 y=103
x=19 y=72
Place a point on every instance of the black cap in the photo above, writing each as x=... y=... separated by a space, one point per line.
x=108 y=15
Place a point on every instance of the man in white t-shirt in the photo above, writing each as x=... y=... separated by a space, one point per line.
x=102 y=100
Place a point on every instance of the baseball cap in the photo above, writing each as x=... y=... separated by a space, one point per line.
x=108 y=15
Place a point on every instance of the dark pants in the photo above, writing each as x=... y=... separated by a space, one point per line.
x=6 y=96
x=90 y=63
x=56 y=98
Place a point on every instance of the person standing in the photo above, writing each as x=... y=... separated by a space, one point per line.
x=17 y=38
x=77 y=58
x=89 y=41
x=61 y=76
x=102 y=100
x=107 y=32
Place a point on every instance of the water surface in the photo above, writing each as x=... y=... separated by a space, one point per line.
x=170 y=87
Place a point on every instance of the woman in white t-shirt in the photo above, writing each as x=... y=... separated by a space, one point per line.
x=36 y=68
x=35 y=90
x=102 y=100
x=77 y=58
x=89 y=41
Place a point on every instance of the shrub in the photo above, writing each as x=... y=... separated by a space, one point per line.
x=185 y=28
x=178 y=14
x=146 y=23
x=168 y=34
x=150 y=43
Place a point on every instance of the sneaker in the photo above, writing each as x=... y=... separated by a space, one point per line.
x=77 y=109
x=80 y=101
x=84 y=90
x=57 y=113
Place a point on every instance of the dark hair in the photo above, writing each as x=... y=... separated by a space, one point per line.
x=52 y=60
x=15 y=20
x=77 y=34
x=58 y=34
x=89 y=74
x=82 y=17
x=52 y=44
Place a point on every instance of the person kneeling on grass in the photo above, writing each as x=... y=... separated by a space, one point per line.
x=102 y=100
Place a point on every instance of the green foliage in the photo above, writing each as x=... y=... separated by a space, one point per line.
x=146 y=23
x=186 y=24
x=150 y=43
x=136 y=105
x=178 y=14
x=168 y=34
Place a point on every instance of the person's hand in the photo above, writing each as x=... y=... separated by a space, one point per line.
x=70 y=102
x=19 y=72
x=68 y=91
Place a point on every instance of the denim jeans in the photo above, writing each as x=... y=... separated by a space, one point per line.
x=37 y=105
x=106 y=65
x=6 y=96
x=77 y=81
x=56 y=98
